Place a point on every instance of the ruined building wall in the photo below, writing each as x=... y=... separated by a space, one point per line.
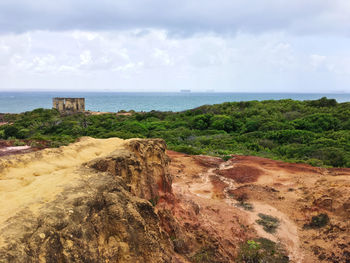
x=69 y=105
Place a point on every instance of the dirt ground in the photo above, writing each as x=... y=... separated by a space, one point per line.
x=9 y=147
x=206 y=202
x=293 y=193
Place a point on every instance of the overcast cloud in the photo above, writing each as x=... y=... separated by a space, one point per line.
x=160 y=45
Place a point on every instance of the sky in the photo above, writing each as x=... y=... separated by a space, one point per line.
x=169 y=45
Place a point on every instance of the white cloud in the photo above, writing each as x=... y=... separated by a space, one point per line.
x=317 y=60
x=183 y=17
x=85 y=57
x=154 y=61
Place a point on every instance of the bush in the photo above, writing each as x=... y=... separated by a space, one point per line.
x=134 y=127
x=186 y=149
x=10 y=131
x=246 y=206
x=2 y=134
x=331 y=156
x=19 y=143
x=223 y=122
x=323 y=102
x=262 y=250
x=315 y=162
x=23 y=133
x=318 y=221
x=318 y=122
x=315 y=132
x=200 y=122
x=268 y=222
x=204 y=255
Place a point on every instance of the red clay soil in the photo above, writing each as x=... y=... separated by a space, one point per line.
x=218 y=186
x=241 y=173
x=276 y=165
x=199 y=226
x=292 y=192
x=208 y=161
x=11 y=143
x=4 y=143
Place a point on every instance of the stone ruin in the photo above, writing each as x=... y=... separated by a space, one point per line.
x=69 y=105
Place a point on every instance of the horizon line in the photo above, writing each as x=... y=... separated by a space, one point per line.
x=193 y=92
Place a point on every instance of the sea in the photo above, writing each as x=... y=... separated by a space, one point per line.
x=16 y=102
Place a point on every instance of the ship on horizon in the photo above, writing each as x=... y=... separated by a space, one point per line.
x=185 y=91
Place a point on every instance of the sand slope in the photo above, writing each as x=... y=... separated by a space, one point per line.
x=87 y=202
x=33 y=179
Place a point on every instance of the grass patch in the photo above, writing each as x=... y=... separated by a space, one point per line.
x=318 y=221
x=268 y=222
x=205 y=255
x=226 y=157
x=246 y=206
x=262 y=250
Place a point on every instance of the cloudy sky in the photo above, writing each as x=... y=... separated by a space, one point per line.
x=168 y=45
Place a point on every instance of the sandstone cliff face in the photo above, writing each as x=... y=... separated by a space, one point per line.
x=98 y=211
x=142 y=165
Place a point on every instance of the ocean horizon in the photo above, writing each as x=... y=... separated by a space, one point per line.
x=17 y=102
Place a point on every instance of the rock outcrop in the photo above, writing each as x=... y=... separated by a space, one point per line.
x=99 y=210
x=116 y=200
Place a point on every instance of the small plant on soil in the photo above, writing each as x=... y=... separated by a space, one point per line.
x=154 y=201
x=242 y=197
x=262 y=250
x=204 y=255
x=246 y=206
x=19 y=143
x=318 y=221
x=268 y=222
x=226 y=157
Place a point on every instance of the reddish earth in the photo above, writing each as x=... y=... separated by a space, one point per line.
x=206 y=190
x=195 y=215
x=241 y=173
x=8 y=147
x=202 y=210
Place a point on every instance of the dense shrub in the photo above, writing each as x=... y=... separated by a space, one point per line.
x=314 y=132
x=318 y=221
x=318 y=122
x=11 y=131
x=200 y=122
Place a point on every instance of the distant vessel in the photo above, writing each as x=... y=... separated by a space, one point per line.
x=185 y=91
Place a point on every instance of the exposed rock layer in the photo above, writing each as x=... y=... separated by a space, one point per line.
x=122 y=201
x=100 y=214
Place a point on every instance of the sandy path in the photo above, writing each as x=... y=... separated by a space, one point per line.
x=286 y=233
x=36 y=178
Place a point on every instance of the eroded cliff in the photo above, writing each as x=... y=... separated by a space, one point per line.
x=88 y=202
x=116 y=200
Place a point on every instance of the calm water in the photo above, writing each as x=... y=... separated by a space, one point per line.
x=15 y=102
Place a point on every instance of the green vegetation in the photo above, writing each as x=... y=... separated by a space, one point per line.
x=204 y=255
x=246 y=206
x=154 y=201
x=268 y=222
x=318 y=221
x=315 y=132
x=262 y=250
